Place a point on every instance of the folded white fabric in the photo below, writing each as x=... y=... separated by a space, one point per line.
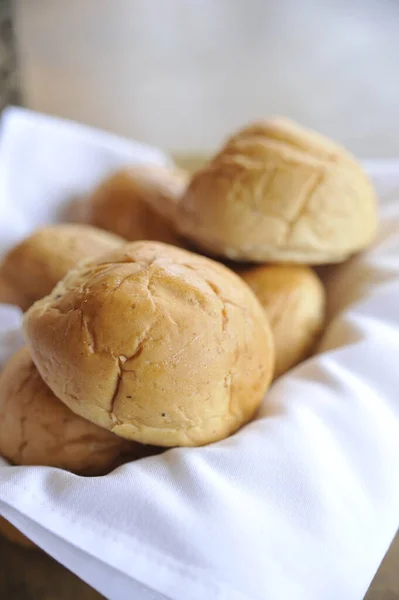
x=47 y=162
x=301 y=504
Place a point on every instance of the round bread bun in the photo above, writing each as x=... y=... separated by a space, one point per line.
x=155 y=343
x=121 y=203
x=294 y=300
x=8 y=295
x=14 y=535
x=277 y=192
x=33 y=267
x=38 y=429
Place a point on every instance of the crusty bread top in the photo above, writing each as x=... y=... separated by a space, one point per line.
x=122 y=201
x=158 y=344
x=33 y=267
x=277 y=192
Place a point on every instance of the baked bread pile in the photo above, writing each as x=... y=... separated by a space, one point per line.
x=134 y=342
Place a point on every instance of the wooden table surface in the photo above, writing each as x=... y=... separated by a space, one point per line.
x=32 y=575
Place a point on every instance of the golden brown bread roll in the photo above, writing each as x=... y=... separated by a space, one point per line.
x=278 y=192
x=294 y=300
x=120 y=203
x=33 y=267
x=155 y=343
x=38 y=429
x=8 y=295
x=14 y=535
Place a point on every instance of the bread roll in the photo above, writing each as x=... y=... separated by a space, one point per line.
x=120 y=205
x=14 y=535
x=294 y=300
x=279 y=193
x=155 y=343
x=32 y=268
x=38 y=429
x=8 y=295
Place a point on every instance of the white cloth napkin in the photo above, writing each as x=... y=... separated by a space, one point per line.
x=301 y=504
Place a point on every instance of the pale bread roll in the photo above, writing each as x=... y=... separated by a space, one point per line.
x=277 y=192
x=155 y=343
x=31 y=269
x=294 y=300
x=8 y=295
x=121 y=203
x=38 y=429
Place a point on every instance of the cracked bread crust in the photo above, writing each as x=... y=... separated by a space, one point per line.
x=121 y=203
x=33 y=267
x=277 y=192
x=294 y=300
x=155 y=343
x=38 y=429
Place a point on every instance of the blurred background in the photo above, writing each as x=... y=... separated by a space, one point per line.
x=181 y=74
